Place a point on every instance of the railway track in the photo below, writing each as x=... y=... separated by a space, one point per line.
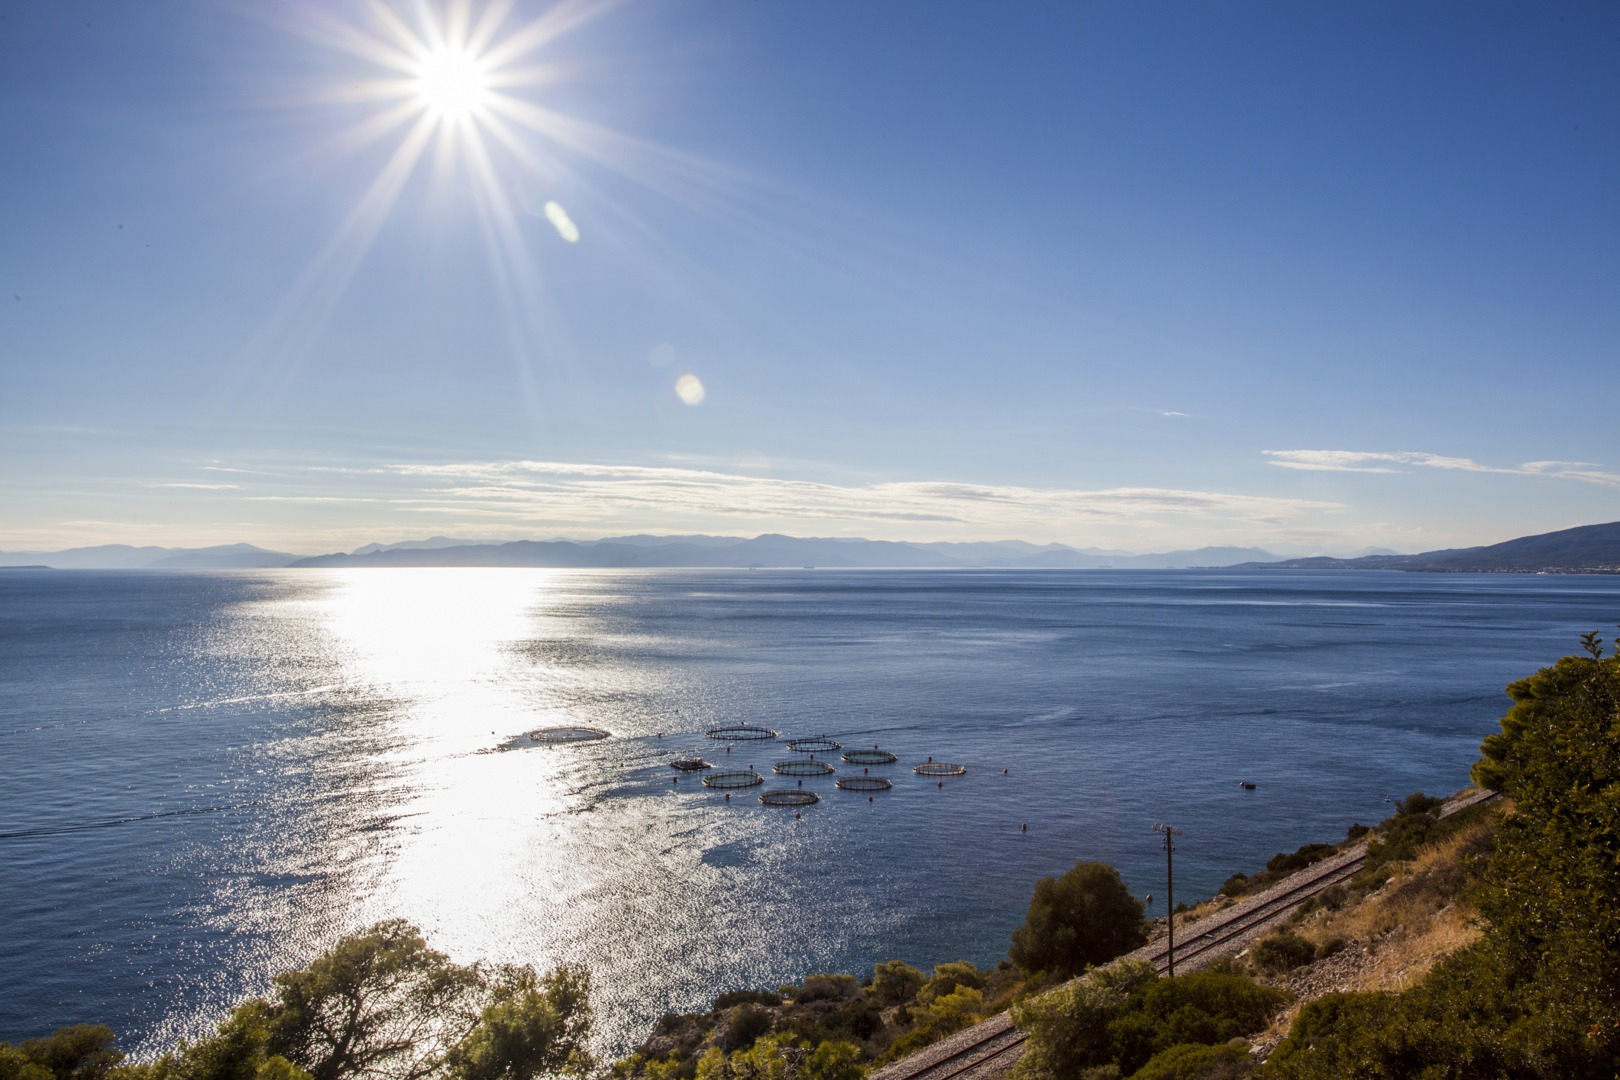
x=991 y=1046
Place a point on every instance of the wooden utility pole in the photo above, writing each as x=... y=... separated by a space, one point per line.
x=1170 y=833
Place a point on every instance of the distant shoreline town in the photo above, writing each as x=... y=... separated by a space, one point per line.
x=1586 y=549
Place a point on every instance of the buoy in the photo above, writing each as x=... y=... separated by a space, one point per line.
x=869 y=798
x=728 y=796
x=1003 y=772
x=930 y=757
x=674 y=779
x=796 y=817
x=865 y=771
x=801 y=783
x=1026 y=826
x=939 y=783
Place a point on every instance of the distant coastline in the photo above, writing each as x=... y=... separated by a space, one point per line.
x=1586 y=549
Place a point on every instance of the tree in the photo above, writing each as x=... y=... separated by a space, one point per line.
x=1553 y=887
x=1083 y=918
x=896 y=981
x=383 y=1006
x=79 y=1052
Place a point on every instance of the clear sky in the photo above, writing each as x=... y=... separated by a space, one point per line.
x=1144 y=276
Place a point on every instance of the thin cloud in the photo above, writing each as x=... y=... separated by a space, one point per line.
x=197 y=487
x=563 y=491
x=1369 y=461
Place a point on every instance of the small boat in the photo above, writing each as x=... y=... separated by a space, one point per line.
x=1246 y=785
x=690 y=764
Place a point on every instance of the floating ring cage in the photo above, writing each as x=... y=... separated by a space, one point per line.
x=802 y=768
x=940 y=768
x=793 y=797
x=733 y=778
x=690 y=764
x=873 y=756
x=741 y=733
x=863 y=783
x=819 y=745
x=571 y=734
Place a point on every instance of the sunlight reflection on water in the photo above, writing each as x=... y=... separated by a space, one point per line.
x=338 y=747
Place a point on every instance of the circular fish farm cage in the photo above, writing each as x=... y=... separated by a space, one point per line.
x=567 y=734
x=802 y=768
x=742 y=733
x=690 y=764
x=939 y=768
x=793 y=797
x=819 y=745
x=873 y=756
x=863 y=783
x=733 y=778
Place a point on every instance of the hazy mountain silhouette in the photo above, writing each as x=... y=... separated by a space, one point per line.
x=1583 y=549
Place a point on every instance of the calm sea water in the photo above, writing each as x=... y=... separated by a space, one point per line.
x=207 y=778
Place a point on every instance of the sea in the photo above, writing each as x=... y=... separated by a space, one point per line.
x=208 y=778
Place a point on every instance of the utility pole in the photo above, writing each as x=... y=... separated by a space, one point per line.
x=1170 y=833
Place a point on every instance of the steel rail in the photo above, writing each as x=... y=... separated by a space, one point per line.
x=999 y=1040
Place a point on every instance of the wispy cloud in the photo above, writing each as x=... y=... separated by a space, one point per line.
x=573 y=491
x=1377 y=461
x=196 y=487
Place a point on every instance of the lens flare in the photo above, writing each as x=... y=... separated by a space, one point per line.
x=562 y=222
x=689 y=388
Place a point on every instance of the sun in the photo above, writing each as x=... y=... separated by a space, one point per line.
x=452 y=85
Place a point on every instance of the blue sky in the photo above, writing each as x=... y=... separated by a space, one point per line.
x=1135 y=276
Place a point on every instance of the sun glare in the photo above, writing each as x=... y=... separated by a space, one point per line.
x=452 y=85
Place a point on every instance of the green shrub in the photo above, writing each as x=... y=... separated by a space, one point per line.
x=1236 y=885
x=1195 y=1061
x=1068 y=1027
x=1281 y=864
x=826 y=988
x=896 y=981
x=1200 y=1008
x=1282 y=952
x=743 y=1028
x=733 y=998
x=946 y=978
x=1083 y=918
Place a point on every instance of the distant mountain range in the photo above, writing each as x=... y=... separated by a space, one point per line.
x=772 y=549
x=125 y=557
x=1588 y=549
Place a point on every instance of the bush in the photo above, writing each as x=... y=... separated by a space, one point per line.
x=733 y=998
x=1083 y=918
x=1200 y=1008
x=1068 y=1027
x=1281 y=864
x=1195 y=1061
x=946 y=978
x=895 y=982
x=745 y=1025
x=1418 y=803
x=826 y=988
x=1236 y=885
x=1282 y=952
x=79 y=1052
x=1331 y=947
